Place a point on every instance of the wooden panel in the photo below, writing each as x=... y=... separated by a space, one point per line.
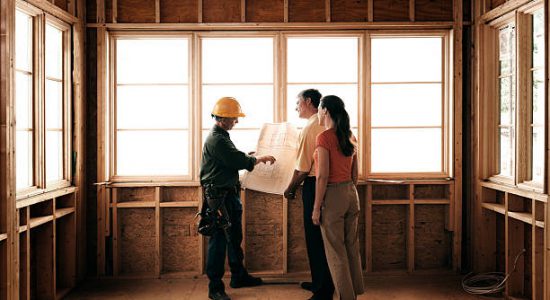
x=61 y=4
x=390 y=192
x=306 y=11
x=179 y=11
x=264 y=232
x=496 y=3
x=297 y=252
x=136 y=11
x=500 y=249
x=65 y=245
x=528 y=259
x=215 y=11
x=136 y=194
x=515 y=243
x=434 y=10
x=391 y=10
x=538 y=264
x=349 y=11
x=137 y=240
x=361 y=227
x=265 y=10
x=180 y=240
x=91 y=13
x=42 y=262
x=432 y=243
x=436 y=191
x=389 y=237
x=24 y=274
x=176 y=194
x=108 y=11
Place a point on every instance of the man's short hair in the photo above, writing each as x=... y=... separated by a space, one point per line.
x=313 y=95
x=217 y=118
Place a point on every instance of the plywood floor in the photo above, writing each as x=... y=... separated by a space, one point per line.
x=422 y=287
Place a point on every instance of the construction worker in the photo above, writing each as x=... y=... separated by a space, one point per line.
x=306 y=106
x=219 y=175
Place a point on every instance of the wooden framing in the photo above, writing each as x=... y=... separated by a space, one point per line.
x=510 y=215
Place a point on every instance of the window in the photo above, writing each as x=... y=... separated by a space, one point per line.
x=152 y=106
x=42 y=101
x=408 y=105
x=240 y=67
x=332 y=68
x=24 y=72
x=54 y=107
x=161 y=109
x=507 y=99
x=516 y=99
x=537 y=98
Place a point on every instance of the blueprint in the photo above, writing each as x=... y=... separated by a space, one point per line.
x=281 y=141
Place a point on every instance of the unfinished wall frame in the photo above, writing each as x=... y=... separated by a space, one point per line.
x=510 y=213
x=39 y=223
x=164 y=243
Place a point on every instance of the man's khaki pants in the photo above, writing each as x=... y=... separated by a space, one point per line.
x=340 y=216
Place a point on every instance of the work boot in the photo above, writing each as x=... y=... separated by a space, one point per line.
x=219 y=295
x=246 y=281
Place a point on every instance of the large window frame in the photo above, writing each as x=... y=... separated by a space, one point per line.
x=112 y=107
x=281 y=99
x=39 y=169
x=446 y=169
x=522 y=156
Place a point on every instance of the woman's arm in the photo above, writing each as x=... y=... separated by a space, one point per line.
x=321 y=183
x=354 y=169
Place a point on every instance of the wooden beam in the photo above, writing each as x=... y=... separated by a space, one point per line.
x=327 y=11
x=158 y=233
x=285 y=17
x=9 y=284
x=199 y=11
x=243 y=11
x=457 y=130
x=55 y=11
x=410 y=233
x=116 y=232
x=368 y=229
x=444 y=25
x=505 y=8
x=157 y=11
x=412 y=10
x=115 y=11
x=370 y=5
x=100 y=11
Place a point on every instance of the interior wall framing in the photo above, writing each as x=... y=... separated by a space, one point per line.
x=36 y=229
x=508 y=217
x=165 y=208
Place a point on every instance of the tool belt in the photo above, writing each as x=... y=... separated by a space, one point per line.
x=213 y=214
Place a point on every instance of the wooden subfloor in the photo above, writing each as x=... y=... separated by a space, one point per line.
x=447 y=287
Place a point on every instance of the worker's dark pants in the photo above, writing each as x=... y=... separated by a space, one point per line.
x=217 y=245
x=322 y=286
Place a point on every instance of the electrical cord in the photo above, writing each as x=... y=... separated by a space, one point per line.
x=488 y=283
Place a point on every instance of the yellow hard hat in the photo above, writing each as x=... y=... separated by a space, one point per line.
x=227 y=107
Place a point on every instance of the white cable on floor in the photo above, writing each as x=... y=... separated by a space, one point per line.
x=488 y=283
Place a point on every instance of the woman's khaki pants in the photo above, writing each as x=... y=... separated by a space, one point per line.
x=340 y=216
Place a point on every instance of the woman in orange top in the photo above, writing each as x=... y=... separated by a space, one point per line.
x=336 y=196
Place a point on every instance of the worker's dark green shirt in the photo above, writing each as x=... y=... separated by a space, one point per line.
x=221 y=160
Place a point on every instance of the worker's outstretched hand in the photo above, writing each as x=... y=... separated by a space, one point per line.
x=265 y=159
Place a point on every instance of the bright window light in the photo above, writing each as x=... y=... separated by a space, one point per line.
x=407 y=101
x=24 y=100
x=239 y=67
x=152 y=107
